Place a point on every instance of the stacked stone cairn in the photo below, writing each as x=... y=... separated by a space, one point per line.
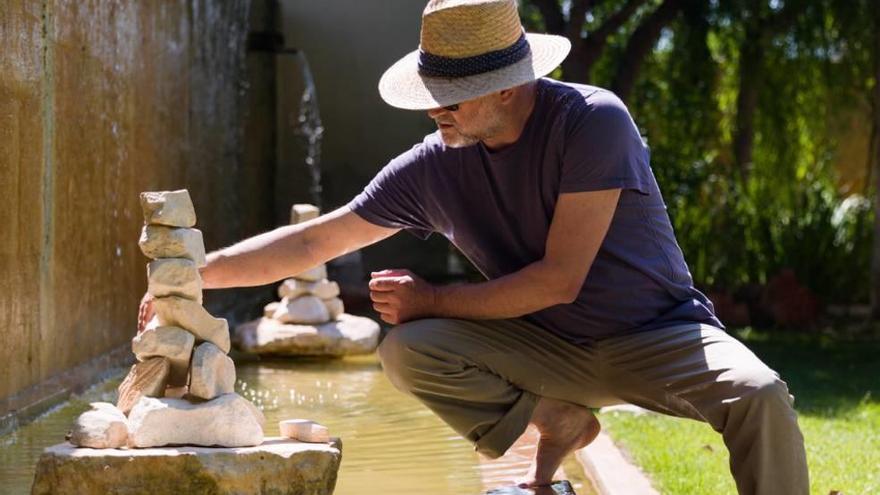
x=181 y=391
x=310 y=318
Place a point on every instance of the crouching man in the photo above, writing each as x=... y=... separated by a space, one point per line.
x=546 y=187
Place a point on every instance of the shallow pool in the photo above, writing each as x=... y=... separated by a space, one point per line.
x=391 y=443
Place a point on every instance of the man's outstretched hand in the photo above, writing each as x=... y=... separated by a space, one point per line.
x=145 y=312
x=400 y=296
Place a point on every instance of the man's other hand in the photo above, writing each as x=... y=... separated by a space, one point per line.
x=400 y=295
x=145 y=312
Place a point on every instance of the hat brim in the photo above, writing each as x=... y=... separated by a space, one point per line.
x=403 y=87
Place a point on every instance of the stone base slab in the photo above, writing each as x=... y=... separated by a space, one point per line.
x=347 y=336
x=279 y=465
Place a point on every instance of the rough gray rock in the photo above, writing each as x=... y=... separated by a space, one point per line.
x=212 y=372
x=174 y=277
x=102 y=427
x=349 y=335
x=191 y=316
x=172 y=208
x=227 y=421
x=174 y=343
x=313 y=274
x=304 y=310
x=293 y=288
x=160 y=241
x=148 y=378
x=278 y=466
x=334 y=306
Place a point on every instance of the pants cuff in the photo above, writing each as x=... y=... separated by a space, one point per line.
x=500 y=437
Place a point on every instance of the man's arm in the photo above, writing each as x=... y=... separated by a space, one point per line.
x=283 y=252
x=289 y=250
x=579 y=225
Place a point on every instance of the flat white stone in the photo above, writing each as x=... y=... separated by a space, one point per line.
x=159 y=241
x=172 y=208
x=174 y=277
x=293 y=288
x=269 y=309
x=349 y=335
x=313 y=274
x=174 y=343
x=227 y=421
x=334 y=306
x=304 y=430
x=102 y=427
x=191 y=316
x=303 y=212
x=148 y=378
x=278 y=465
x=302 y=310
x=212 y=372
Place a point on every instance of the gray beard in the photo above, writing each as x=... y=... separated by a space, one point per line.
x=459 y=141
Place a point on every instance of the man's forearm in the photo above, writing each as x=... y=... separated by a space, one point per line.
x=535 y=287
x=259 y=260
x=289 y=250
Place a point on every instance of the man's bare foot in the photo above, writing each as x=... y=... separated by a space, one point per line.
x=564 y=427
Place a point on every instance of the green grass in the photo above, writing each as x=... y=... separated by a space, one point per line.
x=836 y=382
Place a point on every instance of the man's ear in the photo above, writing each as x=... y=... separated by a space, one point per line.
x=505 y=96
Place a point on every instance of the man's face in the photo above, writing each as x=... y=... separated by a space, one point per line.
x=474 y=120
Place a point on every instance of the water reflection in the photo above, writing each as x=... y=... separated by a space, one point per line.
x=391 y=443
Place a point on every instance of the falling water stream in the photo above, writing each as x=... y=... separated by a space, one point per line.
x=308 y=126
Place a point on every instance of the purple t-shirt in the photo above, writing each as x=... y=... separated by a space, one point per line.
x=496 y=208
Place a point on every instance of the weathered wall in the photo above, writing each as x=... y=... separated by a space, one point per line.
x=349 y=44
x=100 y=100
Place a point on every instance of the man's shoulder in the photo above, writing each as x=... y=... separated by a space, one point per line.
x=421 y=156
x=575 y=96
x=579 y=105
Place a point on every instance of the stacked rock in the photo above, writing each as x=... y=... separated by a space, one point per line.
x=308 y=298
x=182 y=389
x=310 y=319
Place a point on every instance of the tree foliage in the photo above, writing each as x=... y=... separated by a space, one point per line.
x=746 y=105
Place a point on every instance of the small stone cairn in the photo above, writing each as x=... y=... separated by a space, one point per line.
x=310 y=319
x=181 y=391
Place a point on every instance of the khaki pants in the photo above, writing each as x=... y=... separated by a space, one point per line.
x=484 y=378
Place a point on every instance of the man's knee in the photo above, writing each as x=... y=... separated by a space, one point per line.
x=764 y=387
x=400 y=351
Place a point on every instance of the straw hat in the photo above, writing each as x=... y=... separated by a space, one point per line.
x=469 y=48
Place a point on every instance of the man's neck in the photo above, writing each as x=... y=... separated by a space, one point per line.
x=521 y=109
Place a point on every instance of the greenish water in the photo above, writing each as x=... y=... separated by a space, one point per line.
x=391 y=443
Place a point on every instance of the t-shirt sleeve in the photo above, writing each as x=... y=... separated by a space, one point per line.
x=603 y=148
x=395 y=196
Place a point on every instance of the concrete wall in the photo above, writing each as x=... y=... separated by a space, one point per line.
x=100 y=100
x=349 y=44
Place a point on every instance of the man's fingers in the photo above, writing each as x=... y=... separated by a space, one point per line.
x=381 y=297
x=382 y=307
x=384 y=284
x=391 y=272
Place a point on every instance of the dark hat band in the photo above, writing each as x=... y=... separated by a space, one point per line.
x=437 y=66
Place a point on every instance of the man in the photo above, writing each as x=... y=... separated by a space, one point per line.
x=546 y=187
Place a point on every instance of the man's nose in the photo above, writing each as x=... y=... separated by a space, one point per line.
x=435 y=112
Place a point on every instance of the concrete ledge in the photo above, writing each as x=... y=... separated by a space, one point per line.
x=26 y=405
x=610 y=472
x=279 y=465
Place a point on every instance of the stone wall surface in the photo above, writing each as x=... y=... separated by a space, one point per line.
x=99 y=101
